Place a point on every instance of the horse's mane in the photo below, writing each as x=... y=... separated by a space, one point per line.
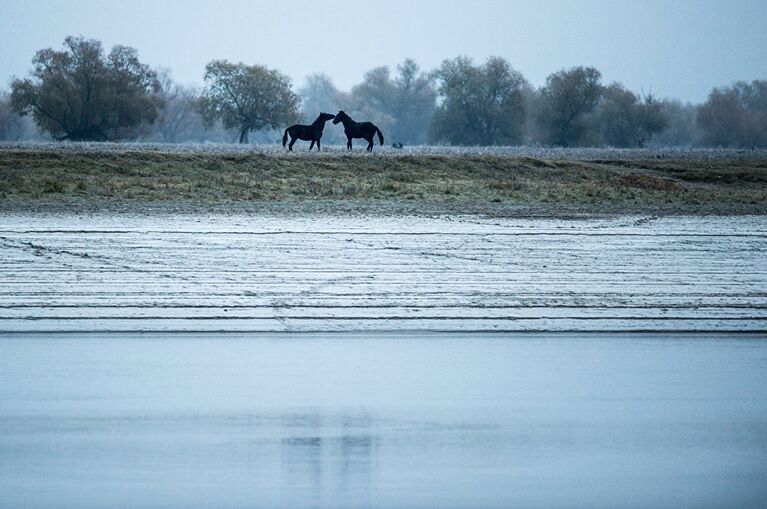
x=343 y=117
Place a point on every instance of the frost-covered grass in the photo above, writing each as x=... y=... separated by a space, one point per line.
x=592 y=179
x=301 y=149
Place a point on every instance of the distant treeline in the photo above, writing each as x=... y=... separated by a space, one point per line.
x=84 y=93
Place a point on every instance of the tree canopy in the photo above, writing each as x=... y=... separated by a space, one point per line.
x=248 y=98
x=568 y=96
x=735 y=116
x=482 y=104
x=407 y=100
x=320 y=94
x=626 y=120
x=11 y=124
x=82 y=94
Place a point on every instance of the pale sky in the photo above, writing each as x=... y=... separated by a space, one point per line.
x=679 y=48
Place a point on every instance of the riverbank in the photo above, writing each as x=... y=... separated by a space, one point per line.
x=497 y=183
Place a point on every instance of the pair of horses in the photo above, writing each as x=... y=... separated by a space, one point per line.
x=313 y=132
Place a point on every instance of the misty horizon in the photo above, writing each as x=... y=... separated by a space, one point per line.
x=678 y=50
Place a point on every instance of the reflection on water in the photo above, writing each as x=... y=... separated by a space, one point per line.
x=384 y=421
x=313 y=459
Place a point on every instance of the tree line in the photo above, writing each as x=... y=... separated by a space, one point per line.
x=83 y=92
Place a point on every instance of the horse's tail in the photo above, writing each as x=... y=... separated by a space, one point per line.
x=285 y=137
x=380 y=135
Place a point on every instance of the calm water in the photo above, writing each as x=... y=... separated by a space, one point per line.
x=383 y=420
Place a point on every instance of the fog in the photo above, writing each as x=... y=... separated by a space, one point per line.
x=592 y=74
x=674 y=49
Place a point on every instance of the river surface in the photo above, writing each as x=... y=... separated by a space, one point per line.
x=383 y=420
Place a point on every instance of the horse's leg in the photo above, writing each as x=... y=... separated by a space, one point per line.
x=318 y=145
x=370 y=144
x=311 y=146
x=292 y=141
x=349 y=143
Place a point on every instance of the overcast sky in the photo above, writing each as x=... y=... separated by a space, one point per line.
x=679 y=48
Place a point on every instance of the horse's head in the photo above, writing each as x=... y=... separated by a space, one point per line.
x=340 y=116
x=324 y=117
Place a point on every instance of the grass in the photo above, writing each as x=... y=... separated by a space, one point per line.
x=719 y=185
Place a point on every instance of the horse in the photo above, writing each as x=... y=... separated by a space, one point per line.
x=354 y=129
x=311 y=132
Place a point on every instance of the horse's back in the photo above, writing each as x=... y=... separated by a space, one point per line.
x=364 y=129
x=305 y=132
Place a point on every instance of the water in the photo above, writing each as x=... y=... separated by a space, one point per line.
x=382 y=420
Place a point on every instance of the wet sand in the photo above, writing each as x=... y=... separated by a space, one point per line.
x=321 y=272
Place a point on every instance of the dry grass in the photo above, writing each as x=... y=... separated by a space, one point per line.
x=148 y=176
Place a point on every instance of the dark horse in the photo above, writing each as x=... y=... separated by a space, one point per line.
x=354 y=129
x=306 y=132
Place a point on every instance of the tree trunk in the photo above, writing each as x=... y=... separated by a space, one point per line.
x=244 y=135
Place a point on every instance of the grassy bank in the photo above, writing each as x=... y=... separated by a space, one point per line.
x=713 y=185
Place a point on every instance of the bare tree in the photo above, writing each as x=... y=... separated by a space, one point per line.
x=320 y=94
x=414 y=103
x=179 y=119
x=735 y=116
x=681 y=129
x=402 y=105
x=11 y=123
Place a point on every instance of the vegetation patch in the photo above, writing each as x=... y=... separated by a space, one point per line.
x=96 y=177
x=648 y=182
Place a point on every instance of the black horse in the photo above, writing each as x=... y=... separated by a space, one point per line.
x=307 y=132
x=354 y=129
